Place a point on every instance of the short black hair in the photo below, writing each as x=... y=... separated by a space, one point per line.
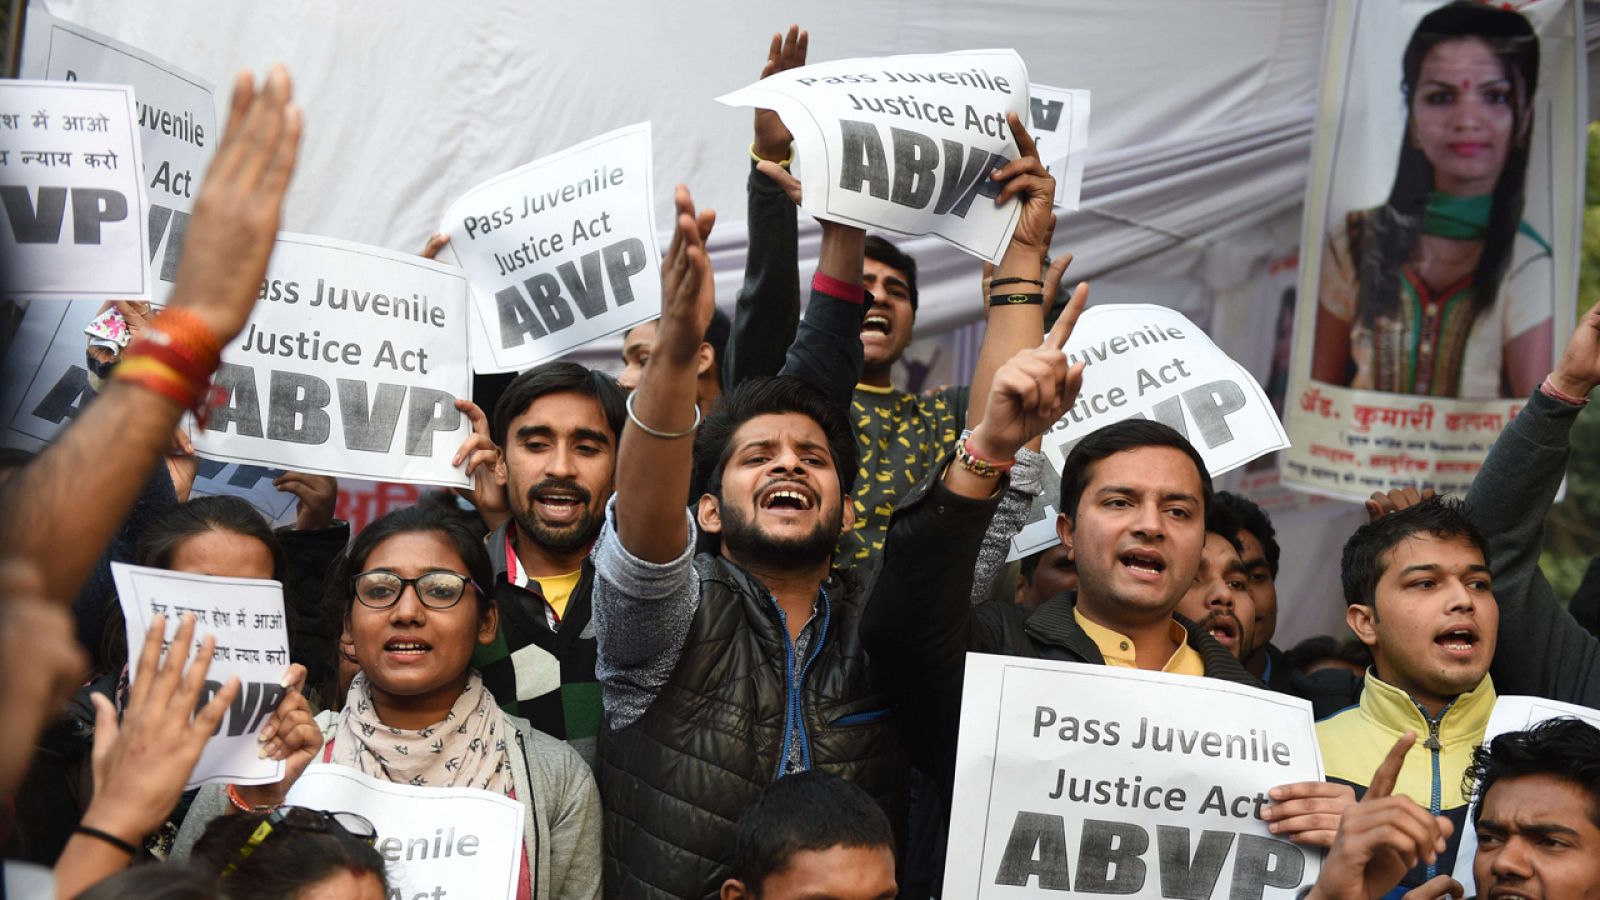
x=880 y=249
x=1363 y=564
x=804 y=811
x=1564 y=748
x=1030 y=564
x=717 y=332
x=559 y=377
x=1221 y=522
x=1254 y=520
x=454 y=525
x=286 y=863
x=770 y=396
x=160 y=540
x=1129 y=434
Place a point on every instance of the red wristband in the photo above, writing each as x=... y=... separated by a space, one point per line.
x=1550 y=390
x=843 y=290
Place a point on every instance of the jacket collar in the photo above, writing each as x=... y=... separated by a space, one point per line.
x=1053 y=623
x=1465 y=718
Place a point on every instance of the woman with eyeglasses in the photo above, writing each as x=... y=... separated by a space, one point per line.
x=413 y=585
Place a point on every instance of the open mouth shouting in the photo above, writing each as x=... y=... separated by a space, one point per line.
x=406 y=648
x=1458 y=641
x=1143 y=564
x=1224 y=626
x=786 y=498
x=558 y=502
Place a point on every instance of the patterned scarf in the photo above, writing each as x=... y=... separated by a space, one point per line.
x=467 y=749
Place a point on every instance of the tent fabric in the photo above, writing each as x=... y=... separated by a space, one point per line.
x=1199 y=139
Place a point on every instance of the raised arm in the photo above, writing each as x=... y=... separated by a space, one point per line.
x=768 y=308
x=1542 y=650
x=655 y=459
x=65 y=505
x=918 y=622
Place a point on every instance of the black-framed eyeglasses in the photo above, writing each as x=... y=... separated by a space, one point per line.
x=436 y=590
x=305 y=819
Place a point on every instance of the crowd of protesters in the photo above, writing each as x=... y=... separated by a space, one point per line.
x=755 y=693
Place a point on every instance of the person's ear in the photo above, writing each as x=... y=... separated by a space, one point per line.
x=708 y=514
x=498 y=470
x=847 y=514
x=1363 y=620
x=733 y=889
x=708 y=359
x=1064 y=532
x=488 y=623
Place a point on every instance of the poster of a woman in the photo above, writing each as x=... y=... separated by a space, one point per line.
x=1437 y=291
x=1429 y=308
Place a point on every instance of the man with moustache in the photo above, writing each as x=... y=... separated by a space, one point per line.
x=1454 y=616
x=558 y=425
x=1219 y=601
x=728 y=669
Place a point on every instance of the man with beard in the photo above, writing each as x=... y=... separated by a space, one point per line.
x=1219 y=601
x=726 y=670
x=558 y=424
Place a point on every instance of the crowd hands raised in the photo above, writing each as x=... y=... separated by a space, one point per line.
x=707 y=625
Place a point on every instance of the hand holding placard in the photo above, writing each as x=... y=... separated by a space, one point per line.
x=788 y=51
x=142 y=764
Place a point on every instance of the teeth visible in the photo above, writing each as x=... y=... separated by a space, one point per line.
x=796 y=496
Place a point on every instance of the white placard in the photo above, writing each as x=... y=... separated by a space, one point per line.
x=350 y=365
x=1152 y=362
x=1511 y=713
x=246 y=615
x=1101 y=781
x=71 y=192
x=435 y=842
x=904 y=143
x=1059 y=124
x=177 y=123
x=560 y=251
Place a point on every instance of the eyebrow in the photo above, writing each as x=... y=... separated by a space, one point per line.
x=589 y=434
x=1235 y=565
x=635 y=347
x=1493 y=82
x=1168 y=497
x=769 y=443
x=1535 y=828
x=1435 y=567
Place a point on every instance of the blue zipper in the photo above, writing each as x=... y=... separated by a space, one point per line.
x=1434 y=747
x=793 y=721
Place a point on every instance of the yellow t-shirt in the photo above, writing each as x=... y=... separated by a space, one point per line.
x=557 y=589
x=1118 y=649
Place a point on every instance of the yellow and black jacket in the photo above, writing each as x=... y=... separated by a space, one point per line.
x=1355 y=740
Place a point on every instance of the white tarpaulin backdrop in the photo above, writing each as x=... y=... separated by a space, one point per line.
x=1199 y=139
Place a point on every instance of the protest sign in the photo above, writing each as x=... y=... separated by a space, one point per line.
x=350 y=365
x=246 y=616
x=1100 y=781
x=177 y=123
x=904 y=143
x=1434 y=290
x=68 y=154
x=1144 y=361
x=1511 y=713
x=435 y=842
x=1059 y=123
x=560 y=251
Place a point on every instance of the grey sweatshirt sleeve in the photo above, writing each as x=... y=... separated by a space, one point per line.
x=1542 y=650
x=1027 y=481
x=572 y=807
x=642 y=612
x=209 y=803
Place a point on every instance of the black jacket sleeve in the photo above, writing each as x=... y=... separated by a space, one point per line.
x=768 y=308
x=919 y=621
x=1542 y=650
